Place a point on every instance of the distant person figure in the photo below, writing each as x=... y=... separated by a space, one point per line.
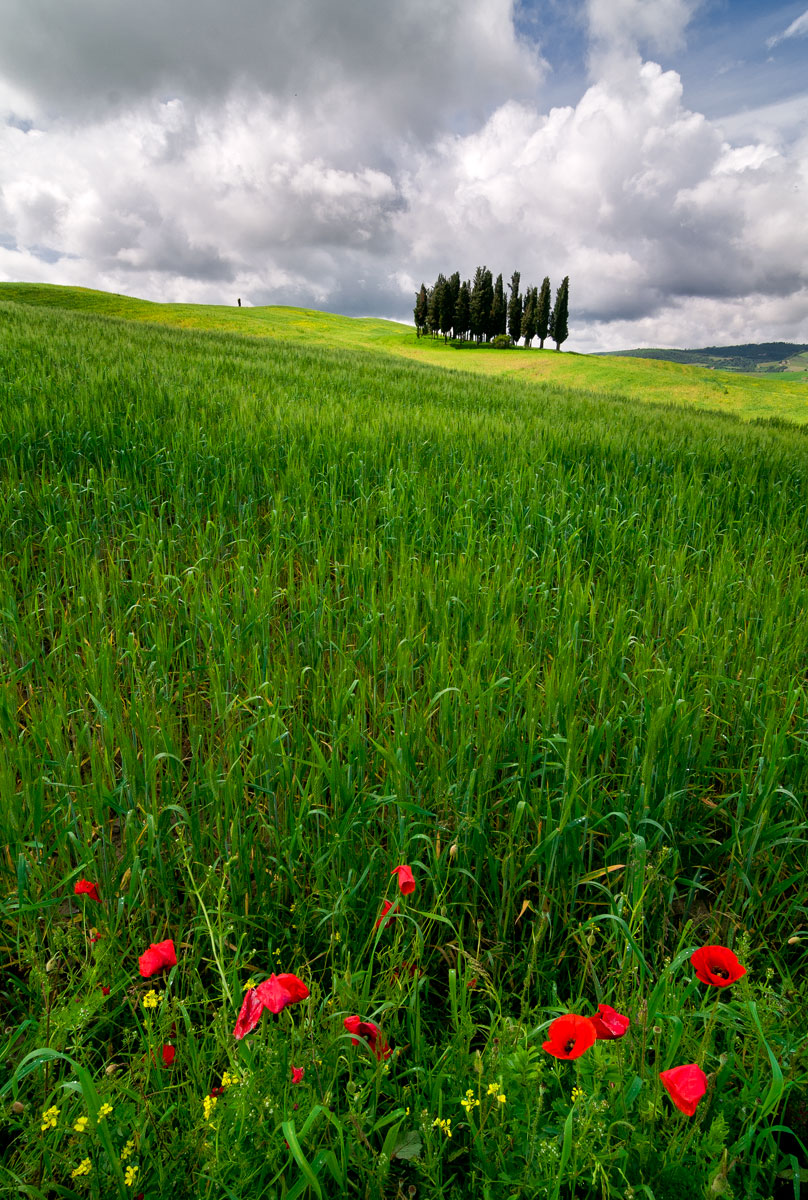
x=239 y=301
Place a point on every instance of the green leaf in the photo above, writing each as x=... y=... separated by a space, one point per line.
x=409 y=1146
x=290 y=1133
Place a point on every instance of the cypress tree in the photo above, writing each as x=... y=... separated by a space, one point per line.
x=454 y=288
x=559 y=332
x=488 y=300
x=447 y=308
x=543 y=311
x=420 y=311
x=498 y=318
x=515 y=309
x=463 y=311
x=482 y=298
x=528 y=329
x=476 y=318
x=435 y=301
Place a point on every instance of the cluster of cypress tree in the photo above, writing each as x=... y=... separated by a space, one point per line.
x=479 y=310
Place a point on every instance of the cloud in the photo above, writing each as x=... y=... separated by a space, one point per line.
x=797 y=28
x=620 y=30
x=372 y=178
x=406 y=64
x=639 y=200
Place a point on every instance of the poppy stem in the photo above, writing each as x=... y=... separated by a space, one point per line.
x=708 y=1029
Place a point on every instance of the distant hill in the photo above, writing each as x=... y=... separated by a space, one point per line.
x=752 y=358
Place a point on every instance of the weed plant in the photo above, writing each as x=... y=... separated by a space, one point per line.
x=277 y=619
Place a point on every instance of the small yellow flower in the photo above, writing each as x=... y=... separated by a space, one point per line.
x=501 y=1098
x=493 y=1089
x=249 y=984
x=444 y=1124
x=337 y=936
x=151 y=999
x=104 y=1111
x=49 y=1118
x=577 y=1094
x=229 y=1080
x=130 y=1175
x=208 y=1104
x=128 y=1150
x=81 y=1124
x=84 y=1168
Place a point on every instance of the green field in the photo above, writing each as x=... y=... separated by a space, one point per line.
x=751 y=397
x=283 y=605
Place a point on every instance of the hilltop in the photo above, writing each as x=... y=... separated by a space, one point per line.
x=635 y=375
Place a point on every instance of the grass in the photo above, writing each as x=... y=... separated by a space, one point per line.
x=751 y=397
x=277 y=616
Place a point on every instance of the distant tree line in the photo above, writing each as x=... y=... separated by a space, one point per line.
x=479 y=311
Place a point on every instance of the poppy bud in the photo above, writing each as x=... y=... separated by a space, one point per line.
x=406 y=879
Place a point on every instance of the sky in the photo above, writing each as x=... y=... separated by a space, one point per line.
x=334 y=154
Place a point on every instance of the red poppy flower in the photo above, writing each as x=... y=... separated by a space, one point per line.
x=384 y=919
x=570 y=1036
x=216 y=1091
x=716 y=965
x=685 y=1086
x=104 y=990
x=250 y=1014
x=297 y=1074
x=279 y=990
x=406 y=880
x=83 y=887
x=168 y=1055
x=158 y=955
x=608 y=1023
x=274 y=993
x=370 y=1032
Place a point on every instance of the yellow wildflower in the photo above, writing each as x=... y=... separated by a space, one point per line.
x=128 y=1150
x=49 y=1118
x=470 y=1101
x=81 y=1124
x=229 y=1080
x=84 y=1168
x=493 y=1089
x=501 y=1097
x=151 y=999
x=577 y=1094
x=444 y=1124
x=209 y=1103
x=130 y=1176
x=104 y=1111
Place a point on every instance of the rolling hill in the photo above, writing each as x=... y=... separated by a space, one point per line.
x=631 y=375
